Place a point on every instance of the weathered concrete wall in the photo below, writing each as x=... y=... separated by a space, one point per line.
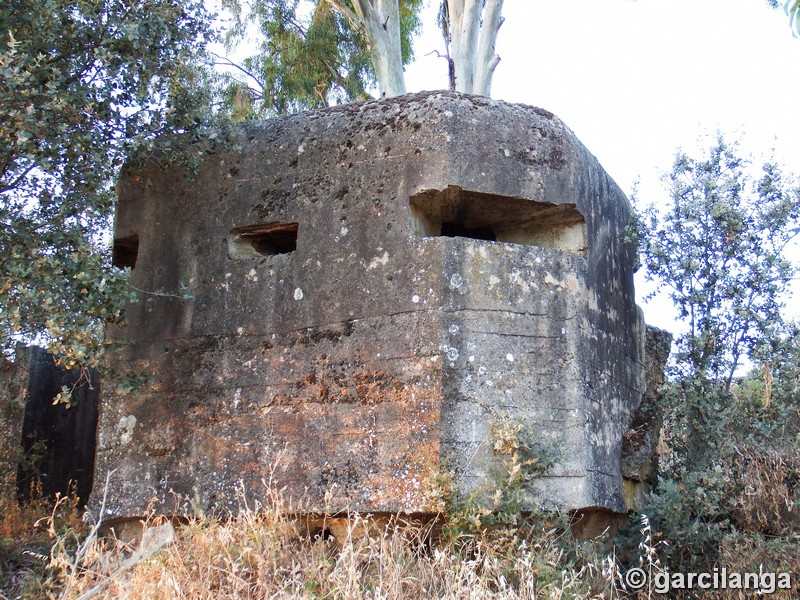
x=336 y=329
x=639 y=443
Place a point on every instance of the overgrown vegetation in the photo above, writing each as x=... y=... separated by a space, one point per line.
x=738 y=514
x=480 y=546
x=266 y=552
x=498 y=504
x=83 y=85
x=728 y=491
x=309 y=56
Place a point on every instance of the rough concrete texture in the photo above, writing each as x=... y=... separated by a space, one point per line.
x=640 y=441
x=354 y=325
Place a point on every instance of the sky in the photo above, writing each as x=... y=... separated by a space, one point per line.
x=637 y=79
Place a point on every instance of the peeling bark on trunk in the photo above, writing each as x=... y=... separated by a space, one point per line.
x=472 y=42
x=465 y=22
x=379 y=20
x=471 y=35
x=487 y=58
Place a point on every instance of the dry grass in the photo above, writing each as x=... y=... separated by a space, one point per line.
x=26 y=540
x=749 y=552
x=764 y=491
x=267 y=552
x=257 y=557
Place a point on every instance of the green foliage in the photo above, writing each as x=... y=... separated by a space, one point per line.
x=310 y=56
x=718 y=251
x=497 y=518
x=84 y=84
x=748 y=485
x=499 y=504
x=729 y=468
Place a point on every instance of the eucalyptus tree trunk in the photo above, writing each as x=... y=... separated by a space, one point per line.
x=470 y=28
x=471 y=33
x=792 y=10
x=487 y=57
x=464 y=23
x=379 y=20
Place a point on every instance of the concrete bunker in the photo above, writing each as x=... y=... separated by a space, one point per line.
x=455 y=212
x=393 y=335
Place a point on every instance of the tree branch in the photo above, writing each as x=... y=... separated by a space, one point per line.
x=18 y=180
x=355 y=20
x=225 y=61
